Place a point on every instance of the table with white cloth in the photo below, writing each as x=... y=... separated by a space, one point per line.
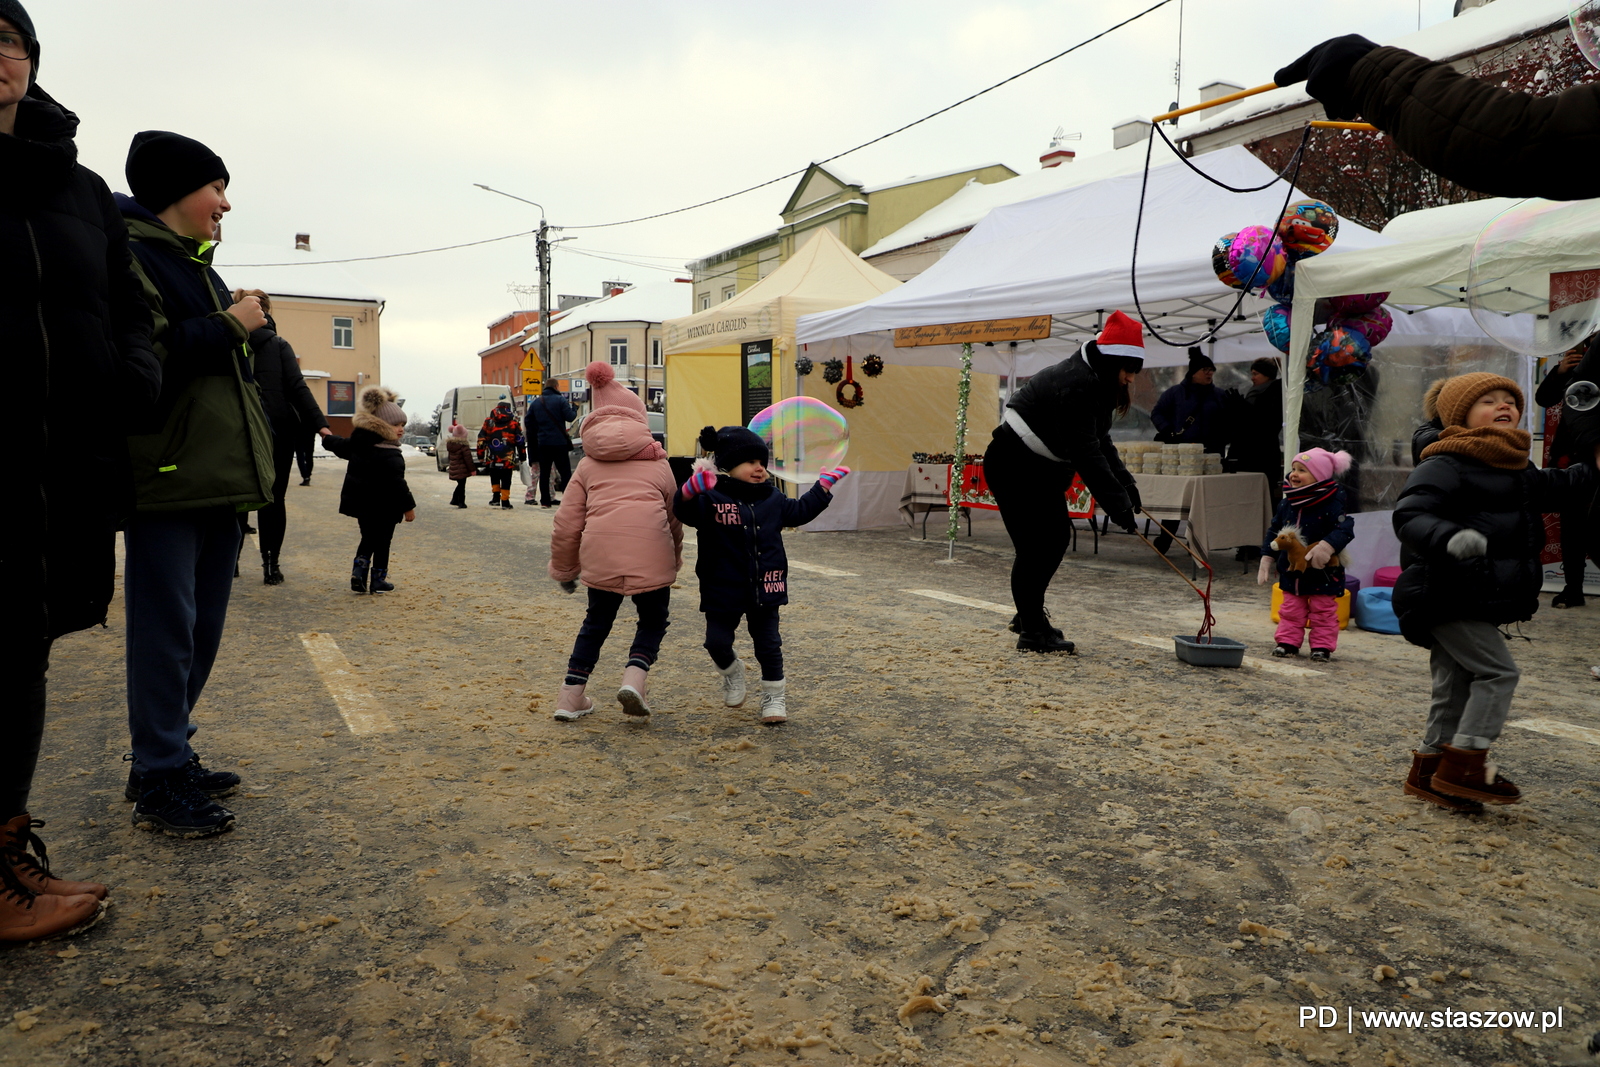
x=1223 y=510
x=927 y=488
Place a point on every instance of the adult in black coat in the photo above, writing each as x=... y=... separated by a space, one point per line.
x=1478 y=135
x=546 y=430
x=1058 y=425
x=70 y=315
x=1563 y=452
x=294 y=413
x=1258 y=433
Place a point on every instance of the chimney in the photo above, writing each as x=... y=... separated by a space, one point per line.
x=613 y=288
x=1212 y=90
x=1129 y=131
x=302 y=242
x=1055 y=157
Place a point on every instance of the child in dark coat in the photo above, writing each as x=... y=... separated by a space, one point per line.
x=739 y=517
x=1470 y=513
x=375 y=493
x=1309 y=531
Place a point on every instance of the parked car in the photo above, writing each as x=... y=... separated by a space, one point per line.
x=658 y=429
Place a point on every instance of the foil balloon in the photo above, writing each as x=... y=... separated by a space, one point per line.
x=1374 y=325
x=1219 y=261
x=1307 y=228
x=1359 y=304
x=1282 y=290
x=1256 y=258
x=1275 y=321
x=1339 y=355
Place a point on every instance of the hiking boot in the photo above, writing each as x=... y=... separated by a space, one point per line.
x=358 y=574
x=380 y=581
x=732 y=683
x=1419 y=783
x=1017 y=628
x=1568 y=598
x=506 y=505
x=29 y=916
x=212 y=783
x=1320 y=655
x=172 y=805
x=1283 y=651
x=774 y=703
x=1045 y=641
x=32 y=869
x=571 y=704
x=269 y=566
x=1468 y=774
x=632 y=694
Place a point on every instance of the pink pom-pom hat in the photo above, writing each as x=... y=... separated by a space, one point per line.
x=1323 y=464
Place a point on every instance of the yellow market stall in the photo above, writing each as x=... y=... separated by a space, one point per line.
x=726 y=363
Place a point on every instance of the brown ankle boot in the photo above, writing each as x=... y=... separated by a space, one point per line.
x=29 y=916
x=1467 y=773
x=1419 y=783
x=33 y=868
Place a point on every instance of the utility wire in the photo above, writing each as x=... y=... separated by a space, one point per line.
x=391 y=255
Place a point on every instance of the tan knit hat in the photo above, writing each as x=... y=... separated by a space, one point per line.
x=1458 y=394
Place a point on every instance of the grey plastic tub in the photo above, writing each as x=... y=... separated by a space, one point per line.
x=1217 y=652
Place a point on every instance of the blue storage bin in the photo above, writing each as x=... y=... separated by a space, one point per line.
x=1374 y=610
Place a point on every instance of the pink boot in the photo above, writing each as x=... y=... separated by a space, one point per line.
x=572 y=704
x=632 y=694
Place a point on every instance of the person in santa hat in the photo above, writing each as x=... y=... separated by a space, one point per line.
x=1057 y=426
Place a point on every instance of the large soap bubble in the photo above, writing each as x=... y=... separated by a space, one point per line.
x=1534 y=311
x=805 y=435
x=1583 y=396
x=1584 y=16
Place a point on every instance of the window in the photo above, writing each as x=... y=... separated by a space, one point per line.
x=344 y=332
x=341 y=398
x=705 y=301
x=583 y=351
x=655 y=352
x=727 y=292
x=619 y=351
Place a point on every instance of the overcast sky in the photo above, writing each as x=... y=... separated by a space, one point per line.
x=366 y=124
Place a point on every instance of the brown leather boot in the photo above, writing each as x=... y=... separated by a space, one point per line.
x=29 y=916
x=33 y=868
x=1467 y=773
x=1419 y=783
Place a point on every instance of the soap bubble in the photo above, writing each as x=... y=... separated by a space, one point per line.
x=1534 y=311
x=1584 y=17
x=1583 y=396
x=805 y=436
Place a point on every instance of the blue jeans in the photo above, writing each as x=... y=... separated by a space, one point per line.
x=177 y=580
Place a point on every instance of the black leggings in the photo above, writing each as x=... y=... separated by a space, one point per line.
x=553 y=457
x=459 y=497
x=273 y=520
x=305 y=453
x=763 y=626
x=1575 y=541
x=1031 y=492
x=376 y=535
x=603 y=605
x=25 y=662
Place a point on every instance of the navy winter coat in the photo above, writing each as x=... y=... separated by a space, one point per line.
x=742 y=564
x=1326 y=521
x=547 y=418
x=1189 y=412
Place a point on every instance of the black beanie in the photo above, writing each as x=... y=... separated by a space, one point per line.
x=733 y=445
x=1198 y=360
x=17 y=15
x=163 y=168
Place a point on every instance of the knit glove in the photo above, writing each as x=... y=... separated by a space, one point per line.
x=1465 y=544
x=1264 y=572
x=1319 y=555
x=827 y=479
x=1326 y=71
x=568 y=587
x=699 y=482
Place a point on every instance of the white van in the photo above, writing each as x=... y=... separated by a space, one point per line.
x=469 y=405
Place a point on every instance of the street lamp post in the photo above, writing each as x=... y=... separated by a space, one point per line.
x=543 y=252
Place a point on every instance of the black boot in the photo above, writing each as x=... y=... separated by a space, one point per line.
x=1044 y=641
x=1570 y=597
x=1016 y=625
x=269 y=567
x=380 y=580
x=172 y=805
x=358 y=574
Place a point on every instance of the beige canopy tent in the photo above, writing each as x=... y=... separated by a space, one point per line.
x=906 y=409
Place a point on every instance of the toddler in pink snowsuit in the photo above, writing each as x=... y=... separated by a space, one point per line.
x=1308 y=532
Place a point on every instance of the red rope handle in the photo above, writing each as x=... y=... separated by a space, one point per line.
x=1209 y=620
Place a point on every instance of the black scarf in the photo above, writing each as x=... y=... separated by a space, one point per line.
x=42 y=153
x=1309 y=495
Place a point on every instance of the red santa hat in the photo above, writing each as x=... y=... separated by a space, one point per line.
x=1122 y=337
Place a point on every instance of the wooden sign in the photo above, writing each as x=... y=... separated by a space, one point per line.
x=957 y=333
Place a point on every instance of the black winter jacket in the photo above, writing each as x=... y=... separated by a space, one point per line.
x=284 y=394
x=1326 y=521
x=71 y=316
x=1450 y=493
x=742 y=564
x=1069 y=407
x=547 y=418
x=375 y=481
x=1479 y=135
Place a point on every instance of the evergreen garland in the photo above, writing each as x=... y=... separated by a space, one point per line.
x=833 y=371
x=957 y=481
x=802 y=365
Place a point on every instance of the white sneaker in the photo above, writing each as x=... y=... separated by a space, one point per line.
x=774 y=709
x=732 y=683
x=572 y=704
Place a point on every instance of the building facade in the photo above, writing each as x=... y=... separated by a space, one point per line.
x=622 y=329
x=501 y=362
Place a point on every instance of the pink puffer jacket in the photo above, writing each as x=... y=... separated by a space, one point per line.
x=615 y=527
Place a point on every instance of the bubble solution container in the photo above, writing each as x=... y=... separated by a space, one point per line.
x=1217 y=652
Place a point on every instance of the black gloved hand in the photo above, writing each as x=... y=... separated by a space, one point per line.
x=1326 y=71
x=1134 y=498
x=1124 y=521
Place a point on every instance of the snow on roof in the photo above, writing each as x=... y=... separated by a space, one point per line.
x=1447 y=221
x=285 y=272
x=1474 y=30
x=913 y=179
x=650 y=302
x=762 y=236
x=974 y=200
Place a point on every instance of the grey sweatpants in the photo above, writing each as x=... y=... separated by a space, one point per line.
x=1474 y=678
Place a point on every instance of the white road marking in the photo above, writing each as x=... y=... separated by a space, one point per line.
x=964 y=601
x=360 y=711
x=826 y=572
x=1559 y=729
x=1250 y=661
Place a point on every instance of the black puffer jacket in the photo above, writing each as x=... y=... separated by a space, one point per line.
x=375 y=481
x=1069 y=407
x=284 y=394
x=1479 y=135
x=1450 y=493
x=742 y=564
x=71 y=317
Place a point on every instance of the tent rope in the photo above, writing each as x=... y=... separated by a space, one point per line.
x=1290 y=173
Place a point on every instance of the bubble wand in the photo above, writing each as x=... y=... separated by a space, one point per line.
x=1321 y=124
x=1209 y=620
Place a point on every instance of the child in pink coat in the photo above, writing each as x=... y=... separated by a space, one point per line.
x=616 y=531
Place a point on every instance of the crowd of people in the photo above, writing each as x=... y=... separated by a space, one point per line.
x=211 y=409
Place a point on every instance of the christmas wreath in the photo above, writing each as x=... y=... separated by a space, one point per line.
x=854 y=400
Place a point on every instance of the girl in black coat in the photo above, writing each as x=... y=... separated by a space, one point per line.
x=1471 y=514
x=742 y=567
x=375 y=493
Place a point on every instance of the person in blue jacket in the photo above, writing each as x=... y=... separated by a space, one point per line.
x=546 y=428
x=739 y=517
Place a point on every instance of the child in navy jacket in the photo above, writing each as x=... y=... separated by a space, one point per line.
x=1309 y=531
x=739 y=518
